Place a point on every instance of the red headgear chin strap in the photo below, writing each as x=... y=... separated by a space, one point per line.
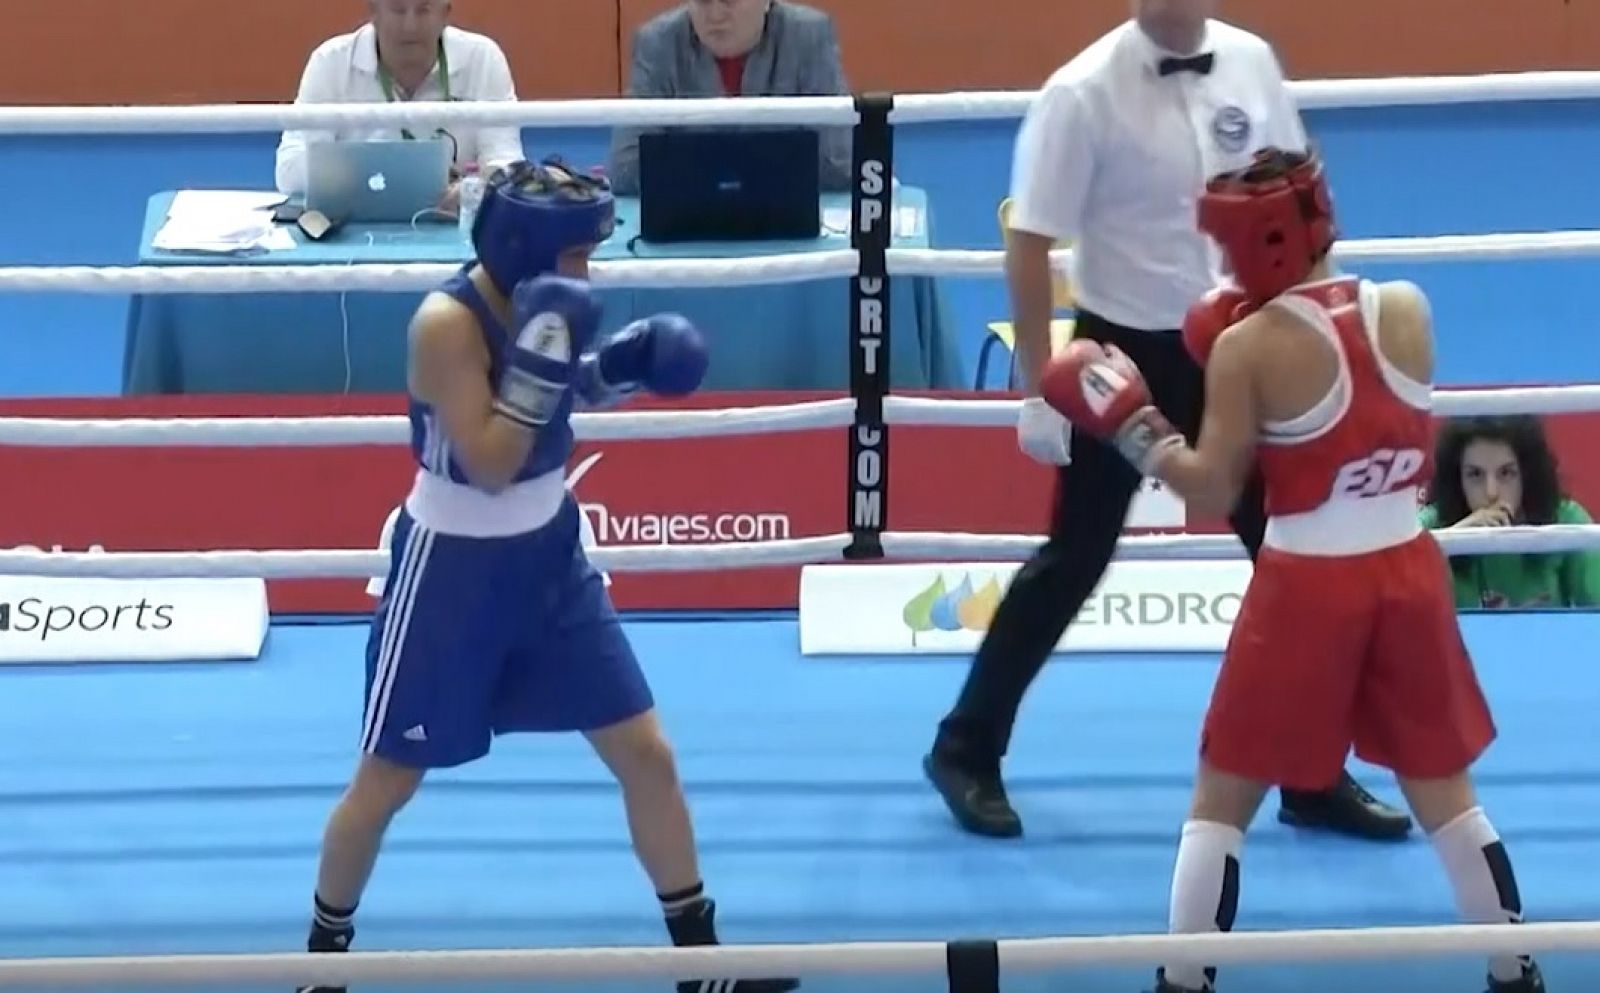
x=1273 y=220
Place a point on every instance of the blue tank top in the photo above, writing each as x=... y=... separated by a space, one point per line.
x=430 y=446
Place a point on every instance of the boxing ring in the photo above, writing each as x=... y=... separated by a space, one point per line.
x=519 y=867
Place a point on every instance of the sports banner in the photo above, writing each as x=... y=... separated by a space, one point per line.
x=62 y=619
x=691 y=492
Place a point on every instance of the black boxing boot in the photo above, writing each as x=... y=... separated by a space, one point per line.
x=331 y=931
x=1346 y=809
x=968 y=778
x=692 y=922
x=1531 y=981
x=1162 y=986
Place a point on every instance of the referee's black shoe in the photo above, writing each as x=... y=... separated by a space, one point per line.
x=973 y=790
x=1346 y=809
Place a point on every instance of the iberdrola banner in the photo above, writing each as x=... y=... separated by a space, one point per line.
x=945 y=608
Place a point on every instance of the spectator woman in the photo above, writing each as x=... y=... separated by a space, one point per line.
x=1500 y=471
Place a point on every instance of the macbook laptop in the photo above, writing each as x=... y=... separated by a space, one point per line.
x=376 y=181
x=725 y=185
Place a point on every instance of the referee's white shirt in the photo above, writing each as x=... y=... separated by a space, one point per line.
x=1113 y=157
x=344 y=69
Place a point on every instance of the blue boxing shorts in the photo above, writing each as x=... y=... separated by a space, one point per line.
x=476 y=637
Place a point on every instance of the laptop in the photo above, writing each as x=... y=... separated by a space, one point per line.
x=726 y=185
x=380 y=181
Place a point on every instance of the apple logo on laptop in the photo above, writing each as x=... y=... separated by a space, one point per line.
x=377 y=183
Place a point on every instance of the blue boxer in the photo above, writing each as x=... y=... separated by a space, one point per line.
x=492 y=619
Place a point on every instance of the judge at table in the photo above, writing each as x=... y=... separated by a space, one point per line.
x=731 y=48
x=407 y=51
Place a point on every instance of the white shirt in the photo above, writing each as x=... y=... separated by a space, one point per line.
x=1113 y=157
x=344 y=69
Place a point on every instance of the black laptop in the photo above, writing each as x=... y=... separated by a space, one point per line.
x=726 y=185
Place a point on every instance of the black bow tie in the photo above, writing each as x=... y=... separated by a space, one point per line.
x=1194 y=63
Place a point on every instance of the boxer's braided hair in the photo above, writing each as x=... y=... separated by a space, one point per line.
x=551 y=177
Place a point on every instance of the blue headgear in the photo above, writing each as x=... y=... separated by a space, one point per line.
x=532 y=213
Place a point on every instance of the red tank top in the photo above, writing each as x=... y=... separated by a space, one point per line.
x=1380 y=437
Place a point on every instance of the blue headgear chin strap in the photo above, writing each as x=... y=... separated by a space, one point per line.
x=532 y=213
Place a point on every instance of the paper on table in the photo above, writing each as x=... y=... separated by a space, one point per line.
x=204 y=202
x=220 y=221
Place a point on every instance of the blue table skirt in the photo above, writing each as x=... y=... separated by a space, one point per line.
x=780 y=337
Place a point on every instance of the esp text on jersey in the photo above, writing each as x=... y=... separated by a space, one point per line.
x=1383 y=471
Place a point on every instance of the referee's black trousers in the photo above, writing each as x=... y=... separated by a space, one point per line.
x=1091 y=505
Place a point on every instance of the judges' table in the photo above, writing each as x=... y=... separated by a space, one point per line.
x=779 y=337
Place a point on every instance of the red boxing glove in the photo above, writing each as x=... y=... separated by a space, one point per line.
x=1220 y=309
x=1099 y=389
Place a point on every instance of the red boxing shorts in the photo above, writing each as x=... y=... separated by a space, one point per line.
x=1329 y=653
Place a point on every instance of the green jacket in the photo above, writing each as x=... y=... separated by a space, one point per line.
x=1561 y=579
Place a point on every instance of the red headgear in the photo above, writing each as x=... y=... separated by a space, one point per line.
x=1272 y=220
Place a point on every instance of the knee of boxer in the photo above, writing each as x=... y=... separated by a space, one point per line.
x=1223 y=797
x=380 y=789
x=636 y=751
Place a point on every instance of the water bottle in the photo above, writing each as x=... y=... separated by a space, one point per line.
x=471 y=198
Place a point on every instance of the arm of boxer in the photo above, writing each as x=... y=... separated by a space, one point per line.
x=1405 y=332
x=1032 y=304
x=449 y=369
x=1211 y=475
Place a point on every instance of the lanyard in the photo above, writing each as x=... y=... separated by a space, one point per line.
x=385 y=81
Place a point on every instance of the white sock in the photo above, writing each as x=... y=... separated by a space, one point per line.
x=1480 y=874
x=1205 y=891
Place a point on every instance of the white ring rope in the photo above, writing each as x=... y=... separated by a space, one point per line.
x=910 y=108
x=417 y=277
x=897 y=546
x=663 y=964
x=393 y=429
x=761 y=270
x=641 y=425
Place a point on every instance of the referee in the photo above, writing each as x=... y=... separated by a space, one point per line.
x=1113 y=155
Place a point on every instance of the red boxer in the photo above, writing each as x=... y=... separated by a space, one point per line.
x=1347 y=635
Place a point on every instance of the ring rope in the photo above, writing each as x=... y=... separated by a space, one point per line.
x=912 y=108
x=761 y=270
x=644 y=425
x=908 y=546
x=842 y=958
x=394 y=429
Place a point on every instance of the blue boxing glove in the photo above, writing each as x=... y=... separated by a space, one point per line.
x=550 y=318
x=664 y=354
